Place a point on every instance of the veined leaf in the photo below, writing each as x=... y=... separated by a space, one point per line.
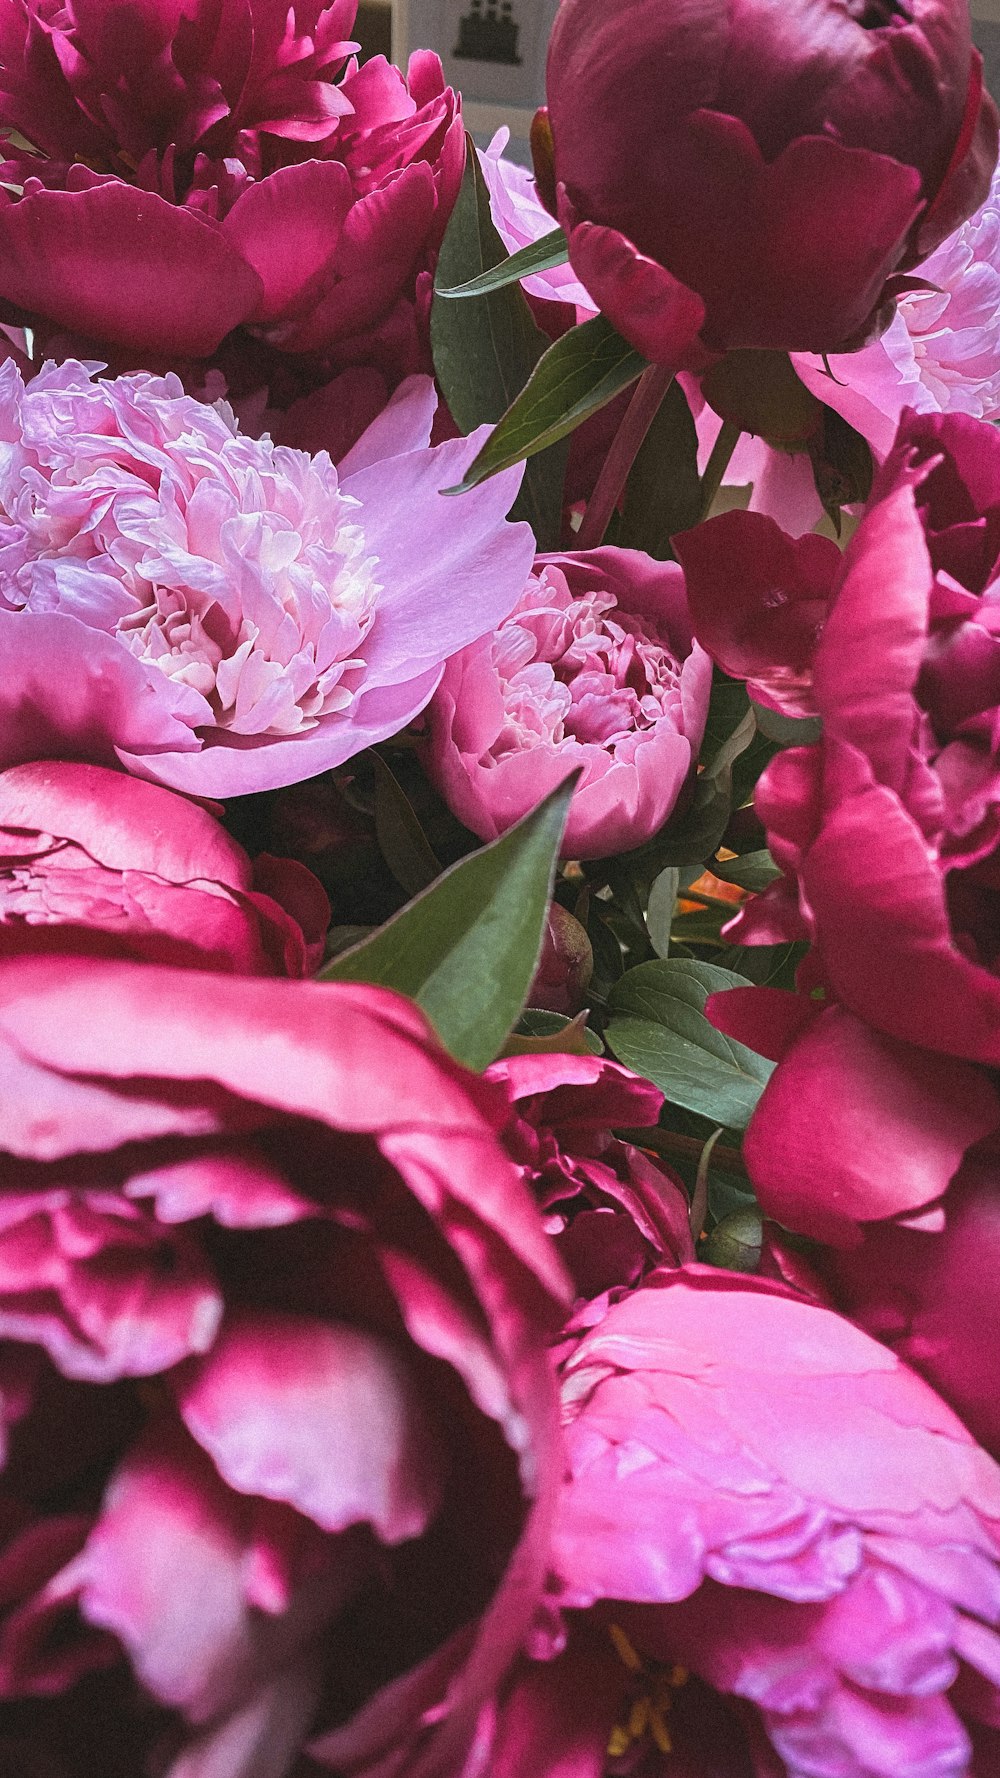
x=467 y=948
x=538 y=256
x=577 y=376
x=658 y=1027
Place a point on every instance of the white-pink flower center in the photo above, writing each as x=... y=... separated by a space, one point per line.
x=580 y=668
x=234 y=566
x=949 y=337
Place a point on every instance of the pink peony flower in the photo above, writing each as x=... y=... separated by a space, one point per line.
x=595 y=667
x=108 y=864
x=210 y=154
x=520 y=219
x=216 y=612
x=279 y=1457
x=758 y=1491
x=889 y=829
x=941 y=351
x=731 y=175
x=612 y=1212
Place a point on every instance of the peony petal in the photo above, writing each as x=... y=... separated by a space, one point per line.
x=322 y=1415
x=121 y=264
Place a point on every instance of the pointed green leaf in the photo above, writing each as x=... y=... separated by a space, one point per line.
x=578 y=375
x=658 y=1027
x=538 y=256
x=663 y=491
x=402 y=841
x=755 y=870
x=466 y=950
x=485 y=350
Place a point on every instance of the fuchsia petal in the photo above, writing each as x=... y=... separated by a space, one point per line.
x=276 y=1394
x=854 y=1126
x=178 y=286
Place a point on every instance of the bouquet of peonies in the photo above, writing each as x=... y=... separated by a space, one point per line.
x=499 y=899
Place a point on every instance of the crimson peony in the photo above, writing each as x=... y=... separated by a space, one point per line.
x=759 y=172
x=176 y=172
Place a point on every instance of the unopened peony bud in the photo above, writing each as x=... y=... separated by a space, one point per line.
x=748 y=174
x=565 y=965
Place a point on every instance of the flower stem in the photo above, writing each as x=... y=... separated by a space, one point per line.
x=718 y=462
x=639 y=416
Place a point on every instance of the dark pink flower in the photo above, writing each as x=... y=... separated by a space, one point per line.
x=889 y=829
x=758 y=1491
x=933 y=1295
x=92 y=859
x=612 y=1212
x=594 y=667
x=738 y=175
x=211 y=155
x=220 y=613
x=277 y=1406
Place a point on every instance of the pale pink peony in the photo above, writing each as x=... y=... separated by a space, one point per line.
x=520 y=219
x=219 y=613
x=595 y=667
x=279 y=1442
x=757 y=1490
x=96 y=860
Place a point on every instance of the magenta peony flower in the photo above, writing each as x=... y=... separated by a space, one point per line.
x=758 y=1491
x=201 y=169
x=744 y=175
x=218 y=613
x=612 y=1212
x=279 y=1464
x=595 y=667
x=941 y=351
x=107 y=864
x=889 y=829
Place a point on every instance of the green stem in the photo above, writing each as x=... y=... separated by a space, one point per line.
x=718 y=462
x=639 y=416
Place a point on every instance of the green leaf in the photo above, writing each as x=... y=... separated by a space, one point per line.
x=402 y=841
x=542 y=1033
x=466 y=950
x=696 y=836
x=485 y=350
x=660 y=909
x=538 y=256
x=787 y=731
x=578 y=375
x=755 y=870
x=658 y=1027
x=663 y=491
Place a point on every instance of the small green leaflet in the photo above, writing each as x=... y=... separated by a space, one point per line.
x=576 y=377
x=466 y=949
x=658 y=1027
x=538 y=256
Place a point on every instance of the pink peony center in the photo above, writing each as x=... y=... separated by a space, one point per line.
x=579 y=668
x=234 y=566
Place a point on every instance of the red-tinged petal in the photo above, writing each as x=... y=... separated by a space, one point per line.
x=767 y=1020
x=759 y=599
x=555 y=1717
x=654 y=311
x=277 y=1394
x=855 y=1127
x=887 y=946
x=286 y=227
x=120 y=822
x=167 y=1523
x=120 y=264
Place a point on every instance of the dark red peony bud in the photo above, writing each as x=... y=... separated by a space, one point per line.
x=756 y=173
